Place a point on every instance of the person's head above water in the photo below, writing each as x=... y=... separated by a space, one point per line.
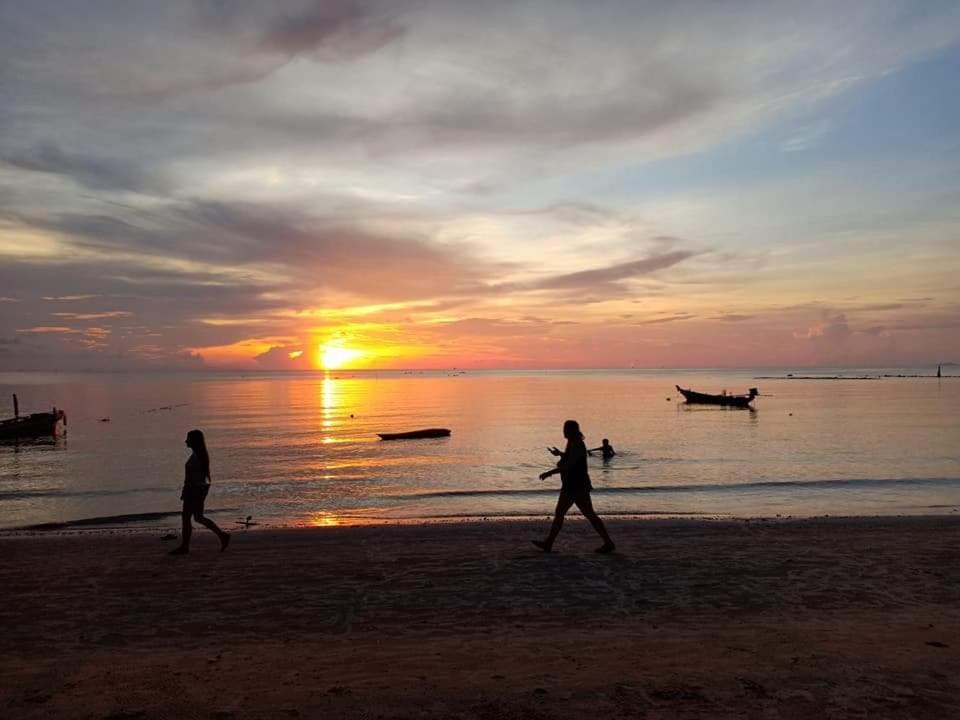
x=606 y=442
x=571 y=430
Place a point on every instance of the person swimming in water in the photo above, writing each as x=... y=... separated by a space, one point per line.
x=606 y=449
x=575 y=488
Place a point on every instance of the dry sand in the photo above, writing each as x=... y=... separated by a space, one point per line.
x=802 y=619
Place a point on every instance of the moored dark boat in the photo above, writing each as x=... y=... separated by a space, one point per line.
x=31 y=426
x=742 y=401
x=416 y=434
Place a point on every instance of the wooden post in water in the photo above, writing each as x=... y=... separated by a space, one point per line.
x=16 y=406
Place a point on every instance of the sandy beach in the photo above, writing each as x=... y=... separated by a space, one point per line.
x=827 y=618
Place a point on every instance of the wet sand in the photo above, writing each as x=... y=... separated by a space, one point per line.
x=825 y=618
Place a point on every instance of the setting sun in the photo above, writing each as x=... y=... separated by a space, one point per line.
x=333 y=355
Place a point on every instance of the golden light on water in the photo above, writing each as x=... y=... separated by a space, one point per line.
x=328 y=390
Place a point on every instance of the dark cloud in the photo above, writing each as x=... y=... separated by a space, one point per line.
x=582 y=214
x=137 y=302
x=591 y=286
x=289 y=357
x=79 y=352
x=96 y=50
x=321 y=253
x=668 y=319
x=67 y=316
x=338 y=29
x=613 y=274
x=553 y=120
x=98 y=173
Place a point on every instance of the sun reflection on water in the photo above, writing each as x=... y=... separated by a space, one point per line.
x=330 y=400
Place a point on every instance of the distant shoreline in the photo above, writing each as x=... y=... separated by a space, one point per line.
x=849 y=377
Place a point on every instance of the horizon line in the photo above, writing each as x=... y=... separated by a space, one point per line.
x=304 y=371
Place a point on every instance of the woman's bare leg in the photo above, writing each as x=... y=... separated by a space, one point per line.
x=564 y=503
x=585 y=504
x=185 y=533
x=208 y=523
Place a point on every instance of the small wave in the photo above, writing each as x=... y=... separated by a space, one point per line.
x=60 y=492
x=708 y=487
x=113 y=519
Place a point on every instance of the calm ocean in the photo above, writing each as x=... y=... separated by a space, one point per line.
x=302 y=449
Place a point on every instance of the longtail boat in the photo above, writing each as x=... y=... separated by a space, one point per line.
x=31 y=426
x=742 y=401
x=416 y=434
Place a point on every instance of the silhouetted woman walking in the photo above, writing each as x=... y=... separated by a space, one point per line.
x=196 y=485
x=575 y=488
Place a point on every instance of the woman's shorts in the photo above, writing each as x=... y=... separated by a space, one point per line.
x=576 y=490
x=193 y=498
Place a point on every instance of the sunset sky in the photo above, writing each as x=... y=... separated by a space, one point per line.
x=479 y=184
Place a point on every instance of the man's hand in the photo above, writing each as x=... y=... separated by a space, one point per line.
x=545 y=475
x=554 y=451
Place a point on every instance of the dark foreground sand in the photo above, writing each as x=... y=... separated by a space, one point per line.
x=808 y=619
